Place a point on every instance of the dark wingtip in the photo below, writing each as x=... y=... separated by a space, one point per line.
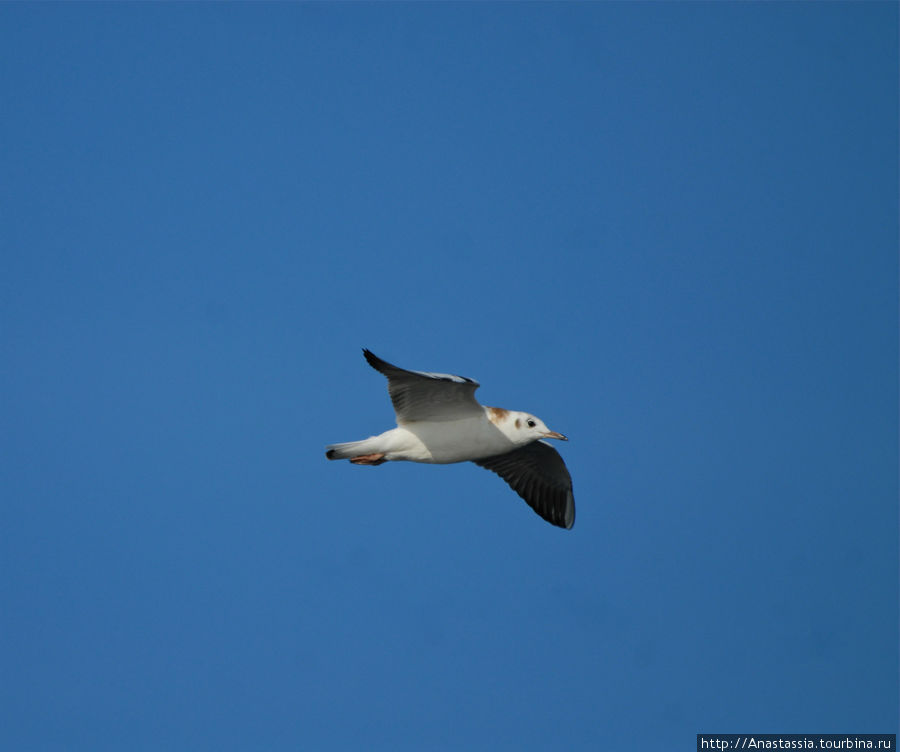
x=373 y=360
x=569 y=516
x=329 y=455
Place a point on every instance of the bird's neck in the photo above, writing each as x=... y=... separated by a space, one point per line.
x=498 y=416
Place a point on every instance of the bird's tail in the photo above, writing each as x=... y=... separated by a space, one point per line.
x=349 y=449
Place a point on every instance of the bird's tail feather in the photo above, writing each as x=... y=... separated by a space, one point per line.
x=349 y=449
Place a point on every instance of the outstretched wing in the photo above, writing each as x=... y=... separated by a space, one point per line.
x=538 y=474
x=417 y=395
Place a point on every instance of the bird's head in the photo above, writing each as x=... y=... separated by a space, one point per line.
x=523 y=428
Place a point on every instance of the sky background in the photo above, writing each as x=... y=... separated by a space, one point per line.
x=669 y=230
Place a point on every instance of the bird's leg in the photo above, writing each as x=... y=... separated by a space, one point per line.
x=368 y=459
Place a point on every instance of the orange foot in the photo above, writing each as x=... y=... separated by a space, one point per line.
x=368 y=459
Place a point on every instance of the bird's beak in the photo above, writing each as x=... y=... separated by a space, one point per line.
x=554 y=435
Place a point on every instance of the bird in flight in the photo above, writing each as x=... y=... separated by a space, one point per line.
x=439 y=421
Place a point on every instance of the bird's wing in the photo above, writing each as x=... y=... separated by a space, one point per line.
x=538 y=474
x=427 y=396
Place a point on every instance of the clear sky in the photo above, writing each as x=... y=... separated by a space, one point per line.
x=669 y=230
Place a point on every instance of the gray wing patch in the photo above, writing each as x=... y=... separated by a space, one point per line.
x=417 y=395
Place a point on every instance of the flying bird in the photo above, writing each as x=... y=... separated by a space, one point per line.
x=439 y=421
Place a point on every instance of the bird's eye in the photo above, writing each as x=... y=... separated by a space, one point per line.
x=531 y=423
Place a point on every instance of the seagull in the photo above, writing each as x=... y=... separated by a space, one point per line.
x=439 y=421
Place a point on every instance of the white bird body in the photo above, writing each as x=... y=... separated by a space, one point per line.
x=438 y=443
x=440 y=422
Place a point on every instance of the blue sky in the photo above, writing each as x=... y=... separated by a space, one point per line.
x=669 y=230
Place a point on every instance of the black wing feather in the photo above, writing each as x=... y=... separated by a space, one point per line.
x=538 y=474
